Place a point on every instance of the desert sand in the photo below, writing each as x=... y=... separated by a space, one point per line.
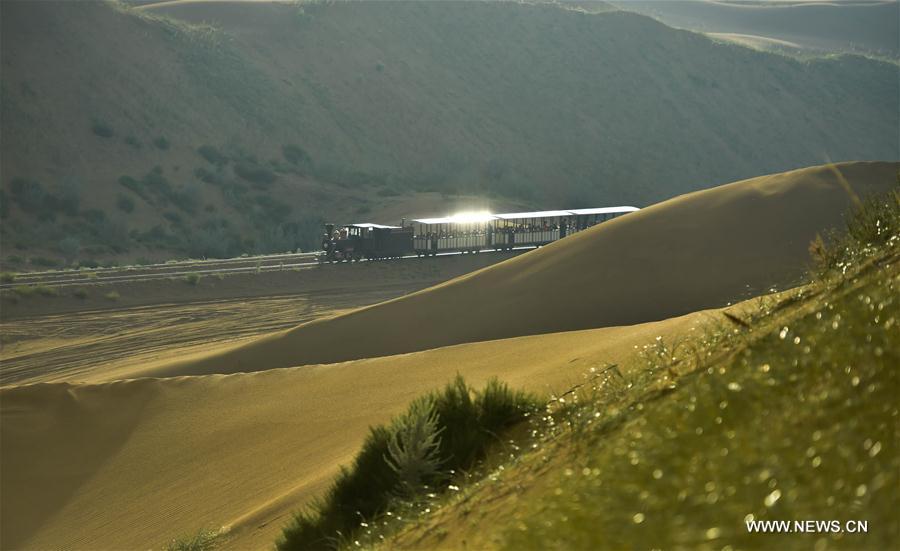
x=134 y=463
x=697 y=251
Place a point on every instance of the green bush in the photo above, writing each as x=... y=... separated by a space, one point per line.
x=295 y=155
x=102 y=129
x=208 y=176
x=212 y=155
x=80 y=294
x=204 y=540
x=254 y=173
x=134 y=185
x=32 y=290
x=161 y=143
x=192 y=279
x=7 y=277
x=44 y=262
x=133 y=142
x=441 y=433
x=125 y=204
x=112 y=295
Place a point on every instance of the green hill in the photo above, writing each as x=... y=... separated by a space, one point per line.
x=212 y=128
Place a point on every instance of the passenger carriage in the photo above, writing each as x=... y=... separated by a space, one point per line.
x=462 y=233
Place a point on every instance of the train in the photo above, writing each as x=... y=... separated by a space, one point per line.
x=461 y=233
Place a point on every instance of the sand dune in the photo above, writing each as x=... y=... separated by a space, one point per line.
x=696 y=251
x=131 y=464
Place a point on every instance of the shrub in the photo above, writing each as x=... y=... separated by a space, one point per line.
x=23 y=290
x=31 y=290
x=134 y=185
x=80 y=294
x=172 y=217
x=872 y=223
x=192 y=279
x=125 y=204
x=94 y=216
x=133 y=142
x=212 y=155
x=207 y=176
x=102 y=129
x=255 y=173
x=161 y=143
x=7 y=277
x=204 y=540
x=451 y=429
x=295 y=155
x=112 y=295
x=69 y=247
x=29 y=194
x=413 y=447
x=88 y=263
x=44 y=262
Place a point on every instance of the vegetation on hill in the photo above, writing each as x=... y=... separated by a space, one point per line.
x=787 y=412
x=419 y=452
x=236 y=127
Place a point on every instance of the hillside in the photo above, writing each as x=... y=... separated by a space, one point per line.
x=214 y=128
x=697 y=251
x=865 y=27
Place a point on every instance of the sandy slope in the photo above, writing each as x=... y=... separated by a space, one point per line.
x=696 y=251
x=131 y=464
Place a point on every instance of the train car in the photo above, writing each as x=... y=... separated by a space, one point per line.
x=468 y=233
x=461 y=233
x=365 y=241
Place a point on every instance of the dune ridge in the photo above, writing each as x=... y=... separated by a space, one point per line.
x=696 y=251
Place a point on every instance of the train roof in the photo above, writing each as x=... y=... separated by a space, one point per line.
x=537 y=214
x=604 y=210
x=465 y=219
x=376 y=226
x=485 y=217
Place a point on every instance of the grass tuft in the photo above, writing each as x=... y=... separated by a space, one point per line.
x=203 y=540
x=440 y=434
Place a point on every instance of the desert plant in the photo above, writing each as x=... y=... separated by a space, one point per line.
x=203 y=540
x=80 y=293
x=295 y=155
x=112 y=295
x=254 y=173
x=32 y=290
x=44 y=262
x=132 y=141
x=161 y=143
x=192 y=279
x=102 y=129
x=212 y=155
x=7 y=277
x=125 y=204
x=443 y=429
x=413 y=447
x=69 y=247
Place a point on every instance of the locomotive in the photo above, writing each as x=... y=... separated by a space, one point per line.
x=461 y=233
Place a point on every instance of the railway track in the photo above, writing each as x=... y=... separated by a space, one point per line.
x=99 y=276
